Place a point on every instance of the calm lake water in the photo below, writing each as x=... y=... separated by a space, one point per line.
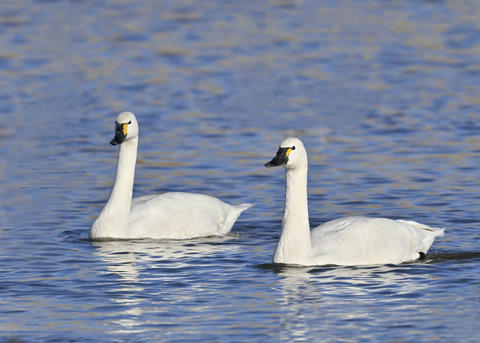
x=385 y=96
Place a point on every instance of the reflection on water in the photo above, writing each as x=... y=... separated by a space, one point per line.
x=385 y=96
x=157 y=276
x=353 y=298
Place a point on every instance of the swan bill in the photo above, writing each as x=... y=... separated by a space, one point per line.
x=281 y=158
x=120 y=133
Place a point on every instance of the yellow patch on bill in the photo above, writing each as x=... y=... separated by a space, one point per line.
x=288 y=151
x=125 y=127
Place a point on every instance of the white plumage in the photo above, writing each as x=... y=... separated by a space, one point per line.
x=344 y=241
x=174 y=215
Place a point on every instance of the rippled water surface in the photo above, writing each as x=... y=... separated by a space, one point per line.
x=385 y=96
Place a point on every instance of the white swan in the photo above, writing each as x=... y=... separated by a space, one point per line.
x=169 y=215
x=345 y=241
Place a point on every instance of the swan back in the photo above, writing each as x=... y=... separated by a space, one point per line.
x=179 y=215
x=364 y=241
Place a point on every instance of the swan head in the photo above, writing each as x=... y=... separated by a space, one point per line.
x=126 y=127
x=291 y=154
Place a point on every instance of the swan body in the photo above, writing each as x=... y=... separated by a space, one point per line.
x=175 y=215
x=344 y=241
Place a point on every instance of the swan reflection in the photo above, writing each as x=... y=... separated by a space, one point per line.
x=154 y=275
x=347 y=294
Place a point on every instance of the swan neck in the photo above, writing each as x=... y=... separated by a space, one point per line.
x=123 y=186
x=113 y=220
x=294 y=245
x=296 y=191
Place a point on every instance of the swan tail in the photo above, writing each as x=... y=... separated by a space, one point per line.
x=429 y=235
x=428 y=239
x=243 y=207
x=233 y=216
x=430 y=231
x=439 y=231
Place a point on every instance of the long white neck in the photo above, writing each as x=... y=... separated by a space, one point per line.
x=113 y=220
x=294 y=246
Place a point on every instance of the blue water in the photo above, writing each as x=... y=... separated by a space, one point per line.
x=385 y=96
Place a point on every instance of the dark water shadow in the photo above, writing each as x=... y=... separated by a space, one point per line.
x=463 y=256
